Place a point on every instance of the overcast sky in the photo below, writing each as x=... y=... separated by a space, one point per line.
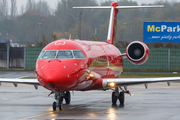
x=53 y=3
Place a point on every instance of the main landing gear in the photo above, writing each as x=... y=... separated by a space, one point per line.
x=116 y=95
x=59 y=96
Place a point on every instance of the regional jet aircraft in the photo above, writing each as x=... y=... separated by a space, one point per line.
x=78 y=65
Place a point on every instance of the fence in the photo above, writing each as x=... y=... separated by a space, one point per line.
x=159 y=59
x=31 y=55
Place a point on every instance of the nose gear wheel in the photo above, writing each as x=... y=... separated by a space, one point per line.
x=59 y=96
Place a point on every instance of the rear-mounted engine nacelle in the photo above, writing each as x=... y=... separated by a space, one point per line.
x=137 y=52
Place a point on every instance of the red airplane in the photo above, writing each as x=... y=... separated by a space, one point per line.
x=69 y=65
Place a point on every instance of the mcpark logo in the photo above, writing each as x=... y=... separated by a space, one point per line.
x=161 y=32
x=163 y=28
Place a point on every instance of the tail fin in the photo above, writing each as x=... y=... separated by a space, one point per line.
x=112 y=23
x=113 y=16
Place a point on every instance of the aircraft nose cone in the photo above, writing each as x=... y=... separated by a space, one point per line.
x=52 y=75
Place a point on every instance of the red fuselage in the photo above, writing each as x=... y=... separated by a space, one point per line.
x=99 y=60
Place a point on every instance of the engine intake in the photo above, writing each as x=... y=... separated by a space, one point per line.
x=137 y=52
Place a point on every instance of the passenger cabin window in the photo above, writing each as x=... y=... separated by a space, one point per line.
x=64 y=54
x=78 y=54
x=49 y=55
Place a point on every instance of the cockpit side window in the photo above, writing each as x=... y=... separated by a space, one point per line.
x=41 y=54
x=78 y=54
x=49 y=55
x=64 y=54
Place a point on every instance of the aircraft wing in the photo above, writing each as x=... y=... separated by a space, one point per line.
x=21 y=81
x=136 y=81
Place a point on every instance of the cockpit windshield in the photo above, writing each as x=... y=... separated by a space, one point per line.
x=61 y=54
x=64 y=54
x=49 y=55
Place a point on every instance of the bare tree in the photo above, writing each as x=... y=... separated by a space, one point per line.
x=22 y=10
x=3 y=9
x=43 y=8
x=30 y=5
x=13 y=8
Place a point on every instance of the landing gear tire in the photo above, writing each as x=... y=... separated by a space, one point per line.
x=114 y=98
x=67 y=97
x=121 y=98
x=54 y=106
x=59 y=99
x=60 y=106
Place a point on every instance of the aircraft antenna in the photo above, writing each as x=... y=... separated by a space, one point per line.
x=70 y=37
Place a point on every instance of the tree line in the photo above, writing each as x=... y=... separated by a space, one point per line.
x=38 y=23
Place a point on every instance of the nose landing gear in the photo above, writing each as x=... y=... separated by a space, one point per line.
x=59 y=96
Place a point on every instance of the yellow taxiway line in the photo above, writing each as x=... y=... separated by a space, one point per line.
x=52 y=112
x=65 y=109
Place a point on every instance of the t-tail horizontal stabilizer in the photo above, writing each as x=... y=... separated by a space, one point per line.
x=114 y=10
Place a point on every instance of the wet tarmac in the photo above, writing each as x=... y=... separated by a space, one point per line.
x=158 y=102
x=16 y=74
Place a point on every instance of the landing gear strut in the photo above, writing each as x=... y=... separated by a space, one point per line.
x=59 y=99
x=67 y=97
x=59 y=96
x=119 y=95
